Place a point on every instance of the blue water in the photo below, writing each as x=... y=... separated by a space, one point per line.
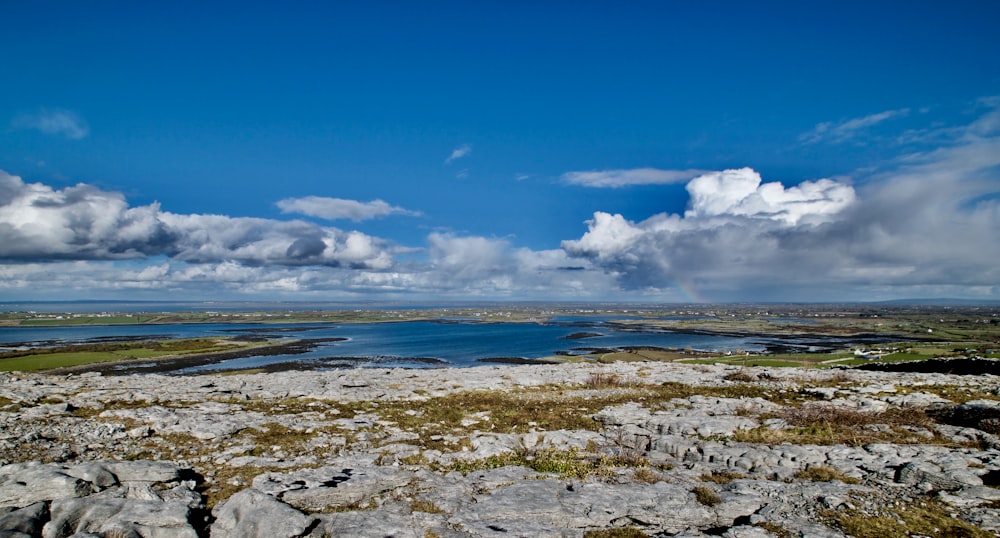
x=398 y=343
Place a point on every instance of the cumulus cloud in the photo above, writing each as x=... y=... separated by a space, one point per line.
x=88 y=242
x=464 y=266
x=846 y=130
x=338 y=208
x=740 y=193
x=84 y=222
x=627 y=177
x=54 y=122
x=930 y=226
x=458 y=153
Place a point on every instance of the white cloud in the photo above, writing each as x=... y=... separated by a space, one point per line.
x=467 y=266
x=739 y=192
x=627 y=177
x=458 y=153
x=846 y=130
x=54 y=122
x=930 y=226
x=84 y=222
x=338 y=208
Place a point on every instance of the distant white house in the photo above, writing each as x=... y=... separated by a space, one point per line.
x=870 y=353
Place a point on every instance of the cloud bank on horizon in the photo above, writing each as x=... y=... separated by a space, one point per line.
x=929 y=225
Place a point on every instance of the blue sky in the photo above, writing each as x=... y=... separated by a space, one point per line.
x=660 y=151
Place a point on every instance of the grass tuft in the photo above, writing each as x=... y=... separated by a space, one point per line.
x=706 y=495
x=823 y=473
x=604 y=380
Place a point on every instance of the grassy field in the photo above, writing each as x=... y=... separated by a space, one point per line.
x=70 y=356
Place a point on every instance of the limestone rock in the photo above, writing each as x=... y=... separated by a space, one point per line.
x=254 y=514
x=28 y=520
x=119 y=517
x=23 y=485
x=328 y=487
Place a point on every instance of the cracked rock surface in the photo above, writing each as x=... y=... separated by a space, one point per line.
x=542 y=450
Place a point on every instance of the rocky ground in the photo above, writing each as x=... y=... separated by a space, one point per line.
x=624 y=449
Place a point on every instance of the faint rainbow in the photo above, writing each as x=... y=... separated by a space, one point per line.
x=688 y=292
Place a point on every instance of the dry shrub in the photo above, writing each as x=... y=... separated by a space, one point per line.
x=706 y=495
x=604 y=380
x=829 y=425
x=644 y=474
x=824 y=473
x=741 y=376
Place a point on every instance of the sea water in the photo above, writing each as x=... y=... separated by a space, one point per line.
x=396 y=343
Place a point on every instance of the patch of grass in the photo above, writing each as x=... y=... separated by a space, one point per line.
x=5 y=401
x=83 y=354
x=414 y=459
x=825 y=425
x=604 y=380
x=566 y=463
x=32 y=363
x=421 y=505
x=921 y=518
x=776 y=530
x=824 y=473
x=706 y=495
x=273 y=438
x=741 y=376
x=645 y=474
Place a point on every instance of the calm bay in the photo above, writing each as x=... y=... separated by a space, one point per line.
x=395 y=344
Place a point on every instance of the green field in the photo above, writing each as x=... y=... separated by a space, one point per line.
x=79 y=355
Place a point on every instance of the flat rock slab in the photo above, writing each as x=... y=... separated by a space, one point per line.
x=327 y=488
x=118 y=517
x=254 y=514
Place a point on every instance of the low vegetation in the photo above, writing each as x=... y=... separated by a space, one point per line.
x=920 y=518
x=36 y=359
x=706 y=495
x=825 y=425
x=824 y=473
